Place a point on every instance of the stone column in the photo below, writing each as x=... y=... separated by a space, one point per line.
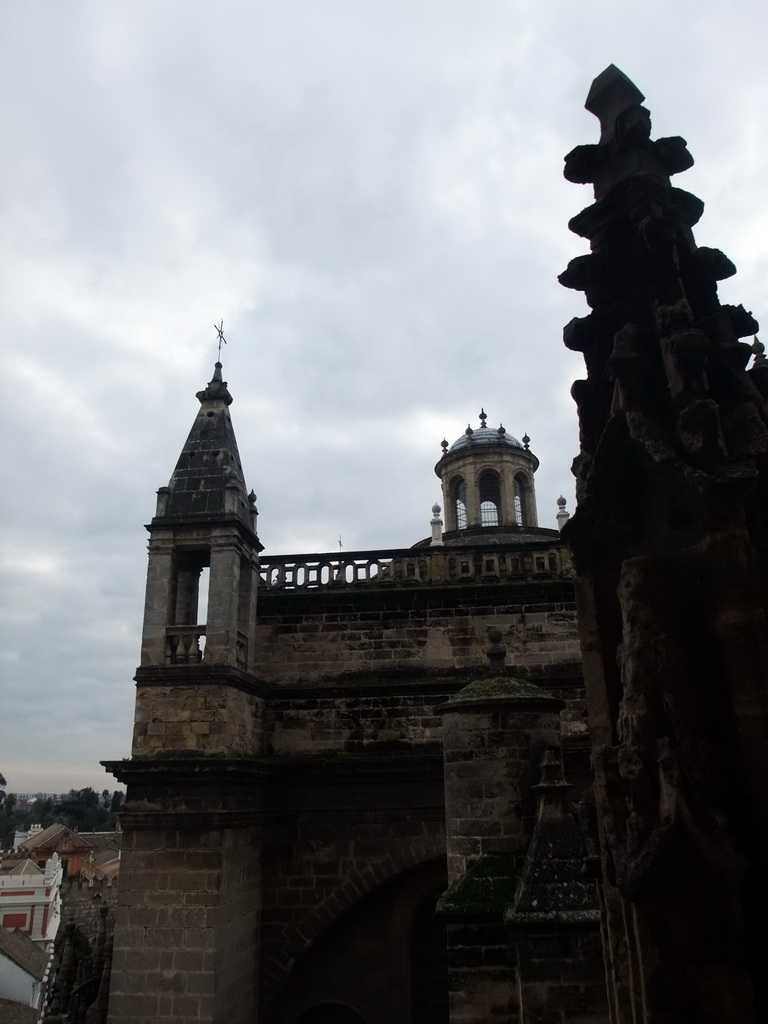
x=223 y=602
x=495 y=731
x=160 y=598
x=187 y=915
x=554 y=922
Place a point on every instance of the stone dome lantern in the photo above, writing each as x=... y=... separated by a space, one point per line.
x=487 y=480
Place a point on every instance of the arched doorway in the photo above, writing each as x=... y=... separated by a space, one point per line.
x=378 y=963
x=429 y=965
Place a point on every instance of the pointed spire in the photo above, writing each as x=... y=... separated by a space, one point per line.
x=208 y=479
x=552 y=887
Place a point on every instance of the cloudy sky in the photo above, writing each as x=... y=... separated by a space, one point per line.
x=370 y=194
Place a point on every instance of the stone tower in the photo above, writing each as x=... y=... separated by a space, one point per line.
x=487 y=481
x=185 y=941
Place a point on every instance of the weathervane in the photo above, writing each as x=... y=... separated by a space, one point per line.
x=222 y=340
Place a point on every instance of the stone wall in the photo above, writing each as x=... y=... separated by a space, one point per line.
x=370 y=717
x=482 y=981
x=186 y=921
x=562 y=976
x=195 y=715
x=82 y=903
x=491 y=762
x=318 y=637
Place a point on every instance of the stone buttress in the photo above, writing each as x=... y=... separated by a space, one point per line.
x=496 y=731
x=185 y=939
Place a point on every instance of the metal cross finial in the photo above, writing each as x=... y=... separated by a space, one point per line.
x=220 y=331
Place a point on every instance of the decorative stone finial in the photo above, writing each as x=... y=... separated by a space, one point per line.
x=437 y=525
x=254 y=512
x=562 y=516
x=502 y=430
x=759 y=350
x=526 y=441
x=552 y=778
x=496 y=650
x=444 y=446
x=217 y=389
x=483 y=417
x=611 y=94
x=469 y=432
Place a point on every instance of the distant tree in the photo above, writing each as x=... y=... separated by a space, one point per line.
x=8 y=821
x=85 y=810
x=41 y=812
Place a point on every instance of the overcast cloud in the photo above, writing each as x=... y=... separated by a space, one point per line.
x=370 y=194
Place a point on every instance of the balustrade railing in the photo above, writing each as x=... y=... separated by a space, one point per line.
x=182 y=644
x=185 y=645
x=408 y=566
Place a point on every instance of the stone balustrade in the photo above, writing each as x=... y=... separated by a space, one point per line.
x=185 y=645
x=182 y=644
x=418 y=566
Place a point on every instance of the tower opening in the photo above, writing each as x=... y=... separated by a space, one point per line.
x=490 y=499
x=460 y=503
x=202 y=595
x=520 y=514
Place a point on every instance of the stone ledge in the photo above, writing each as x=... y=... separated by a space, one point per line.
x=200 y=675
x=332 y=765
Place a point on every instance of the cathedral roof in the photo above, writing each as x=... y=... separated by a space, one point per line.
x=484 y=435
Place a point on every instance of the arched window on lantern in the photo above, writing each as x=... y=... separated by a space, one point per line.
x=490 y=499
x=520 y=516
x=460 y=504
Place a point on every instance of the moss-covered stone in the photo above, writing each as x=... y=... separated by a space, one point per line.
x=495 y=691
x=484 y=892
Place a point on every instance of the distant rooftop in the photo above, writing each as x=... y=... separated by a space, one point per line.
x=19 y=948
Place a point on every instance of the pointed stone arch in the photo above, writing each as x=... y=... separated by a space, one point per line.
x=360 y=883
